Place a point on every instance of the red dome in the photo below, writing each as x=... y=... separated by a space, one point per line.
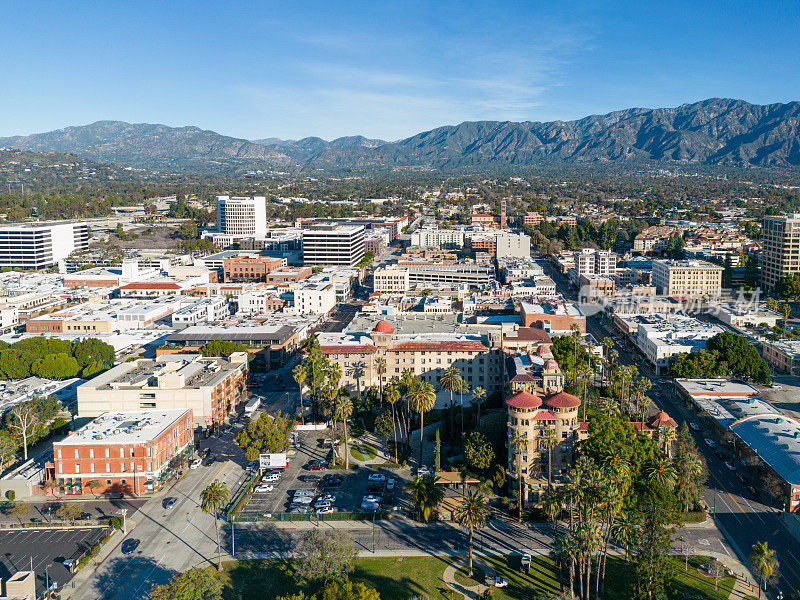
x=563 y=400
x=383 y=327
x=524 y=400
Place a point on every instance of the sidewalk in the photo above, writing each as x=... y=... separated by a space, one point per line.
x=88 y=571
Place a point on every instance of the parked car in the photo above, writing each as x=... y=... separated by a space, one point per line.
x=694 y=426
x=375 y=498
x=369 y=506
x=322 y=504
x=196 y=463
x=317 y=464
x=709 y=442
x=310 y=493
x=302 y=500
x=422 y=471
x=328 y=497
x=500 y=582
x=390 y=485
x=263 y=488
x=297 y=510
x=377 y=477
x=325 y=510
x=332 y=483
x=129 y=545
x=270 y=478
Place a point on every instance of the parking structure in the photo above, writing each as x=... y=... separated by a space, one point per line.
x=45 y=549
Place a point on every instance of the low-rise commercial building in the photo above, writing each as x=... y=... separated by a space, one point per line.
x=660 y=337
x=783 y=355
x=555 y=318
x=391 y=280
x=129 y=452
x=211 y=387
x=687 y=278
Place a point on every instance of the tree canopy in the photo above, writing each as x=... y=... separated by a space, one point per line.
x=54 y=359
x=726 y=354
x=267 y=435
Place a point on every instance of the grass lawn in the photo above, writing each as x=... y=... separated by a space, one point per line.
x=478 y=576
x=368 y=454
x=407 y=578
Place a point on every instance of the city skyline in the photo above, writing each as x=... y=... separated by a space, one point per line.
x=387 y=72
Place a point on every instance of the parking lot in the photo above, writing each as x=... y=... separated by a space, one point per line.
x=349 y=488
x=45 y=550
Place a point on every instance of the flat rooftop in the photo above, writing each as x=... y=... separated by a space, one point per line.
x=134 y=427
x=775 y=438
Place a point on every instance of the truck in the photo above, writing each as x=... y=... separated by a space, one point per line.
x=252 y=406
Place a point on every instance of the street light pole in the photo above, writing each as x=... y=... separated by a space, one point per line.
x=124 y=512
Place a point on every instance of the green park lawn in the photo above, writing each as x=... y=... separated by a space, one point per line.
x=368 y=454
x=407 y=578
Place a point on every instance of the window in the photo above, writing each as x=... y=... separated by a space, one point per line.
x=60 y=466
x=59 y=453
x=91 y=468
x=108 y=452
x=77 y=468
x=122 y=467
x=108 y=467
x=131 y=451
x=133 y=466
x=91 y=452
x=76 y=453
x=122 y=452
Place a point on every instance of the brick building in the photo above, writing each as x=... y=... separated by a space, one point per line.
x=127 y=452
x=249 y=268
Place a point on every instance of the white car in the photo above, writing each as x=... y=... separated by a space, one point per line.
x=328 y=497
x=302 y=500
x=323 y=504
x=369 y=506
x=500 y=582
x=371 y=498
x=196 y=463
x=264 y=488
x=377 y=477
x=324 y=510
x=423 y=470
x=270 y=478
x=309 y=493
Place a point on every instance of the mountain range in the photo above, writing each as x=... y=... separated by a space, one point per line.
x=716 y=131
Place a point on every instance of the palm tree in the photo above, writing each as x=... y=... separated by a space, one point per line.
x=462 y=387
x=666 y=435
x=608 y=344
x=427 y=495
x=585 y=371
x=356 y=371
x=421 y=399
x=450 y=381
x=519 y=442
x=478 y=396
x=380 y=370
x=213 y=497
x=764 y=563
x=575 y=333
x=551 y=505
x=548 y=440
x=472 y=514
x=661 y=472
x=300 y=374
x=625 y=531
x=392 y=396
x=344 y=409
x=786 y=310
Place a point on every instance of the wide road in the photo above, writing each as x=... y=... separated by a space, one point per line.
x=170 y=540
x=740 y=517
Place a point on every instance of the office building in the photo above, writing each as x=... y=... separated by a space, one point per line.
x=595 y=263
x=433 y=237
x=780 y=252
x=129 y=452
x=314 y=298
x=41 y=245
x=333 y=244
x=391 y=280
x=239 y=216
x=211 y=387
x=687 y=278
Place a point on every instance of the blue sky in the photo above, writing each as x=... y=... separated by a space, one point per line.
x=381 y=69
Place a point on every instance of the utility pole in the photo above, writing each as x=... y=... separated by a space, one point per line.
x=233 y=536
x=123 y=512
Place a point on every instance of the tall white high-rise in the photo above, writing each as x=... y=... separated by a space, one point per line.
x=333 y=244
x=242 y=216
x=41 y=245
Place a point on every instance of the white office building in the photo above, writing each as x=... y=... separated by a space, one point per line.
x=433 y=237
x=333 y=244
x=314 y=298
x=595 y=263
x=41 y=245
x=240 y=216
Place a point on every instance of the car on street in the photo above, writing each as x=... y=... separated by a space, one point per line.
x=730 y=465
x=694 y=426
x=196 y=463
x=390 y=485
x=324 y=510
x=129 y=545
x=264 y=488
x=774 y=386
x=709 y=442
x=500 y=582
x=169 y=502
x=371 y=498
x=377 y=477
x=317 y=464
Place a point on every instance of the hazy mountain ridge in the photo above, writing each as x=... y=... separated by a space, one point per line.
x=714 y=131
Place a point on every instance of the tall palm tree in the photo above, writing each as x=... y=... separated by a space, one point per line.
x=472 y=514
x=519 y=442
x=625 y=531
x=575 y=334
x=450 y=382
x=421 y=399
x=426 y=494
x=380 y=371
x=300 y=374
x=552 y=507
x=478 y=396
x=462 y=387
x=548 y=440
x=344 y=409
x=213 y=497
x=608 y=344
x=356 y=371
x=660 y=472
x=764 y=563
x=666 y=435
x=392 y=396
x=585 y=371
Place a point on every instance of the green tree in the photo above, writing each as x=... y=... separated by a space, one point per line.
x=300 y=375
x=426 y=494
x=92 y=350
x=675 y=246
x=519 y=443
x=421 y=399
x=188 y=231
x=478 y=451
x=213 y=497
x=265 y=435
x=56 y=366
x=764 y=564
x=727 y=272
x=472 y=514
x=18 y=509
x=348 y=590
x=789 y=287
x=327 y=556
x=194 y=584
x=222 y=348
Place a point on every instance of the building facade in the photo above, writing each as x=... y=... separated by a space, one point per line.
x=333 y=244
x=391 y=280
x=129 y=452
x=41 y=245
x=687 y=278
x=780 y=252
x=239 y=216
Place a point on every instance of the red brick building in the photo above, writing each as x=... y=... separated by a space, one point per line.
x=244 y=268
x=123 y=452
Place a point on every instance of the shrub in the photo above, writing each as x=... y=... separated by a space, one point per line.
x=11 y=495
